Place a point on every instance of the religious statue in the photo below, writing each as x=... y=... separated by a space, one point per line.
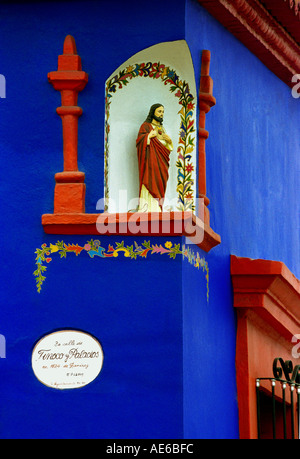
x=153 y=149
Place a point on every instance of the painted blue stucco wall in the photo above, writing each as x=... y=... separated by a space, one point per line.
x=253 y=183
x=133 y=307
x=253 y=178
x=138 y=393
x=169 y=352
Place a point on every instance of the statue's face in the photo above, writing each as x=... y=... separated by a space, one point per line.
x=159 y=114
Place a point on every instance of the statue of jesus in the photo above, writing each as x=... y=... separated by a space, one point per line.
x=153 y=150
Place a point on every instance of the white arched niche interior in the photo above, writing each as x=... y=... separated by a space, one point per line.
x=164 y=74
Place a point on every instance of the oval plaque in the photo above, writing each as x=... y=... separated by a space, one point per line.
x=67 y=359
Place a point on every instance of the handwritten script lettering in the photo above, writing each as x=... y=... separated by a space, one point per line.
x=46 y=354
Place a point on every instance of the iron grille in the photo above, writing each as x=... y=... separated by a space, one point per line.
x=289 y=379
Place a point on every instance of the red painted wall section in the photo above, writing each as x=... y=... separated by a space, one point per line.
x=267 y=300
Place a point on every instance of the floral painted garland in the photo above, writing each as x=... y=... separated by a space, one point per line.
x=94 y=248
x=186 y=137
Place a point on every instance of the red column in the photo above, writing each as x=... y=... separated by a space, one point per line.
x=69 y=79
x=206 y=101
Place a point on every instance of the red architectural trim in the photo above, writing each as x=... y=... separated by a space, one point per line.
x=262 y=33
x=134 y=224
x=69 y=79
x=206 y=101
x=287 y=13
x=267 y=300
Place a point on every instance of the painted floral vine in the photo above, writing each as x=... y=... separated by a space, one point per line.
x=93 y=248
x=186 y=143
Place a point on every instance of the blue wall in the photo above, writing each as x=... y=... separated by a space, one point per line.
x=253 y=167
x=210 y=404
x=169 y=353
x=132 y=306
x=138 y=393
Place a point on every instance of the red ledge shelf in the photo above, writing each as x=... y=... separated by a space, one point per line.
x=134 y=224
x=270 y=289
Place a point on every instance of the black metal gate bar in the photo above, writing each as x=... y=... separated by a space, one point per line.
x=292 y=386
x=284 y=409
x=273 y=409
x=258 y=408
x=298 y=403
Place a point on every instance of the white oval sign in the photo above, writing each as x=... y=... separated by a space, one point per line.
x=67 y=359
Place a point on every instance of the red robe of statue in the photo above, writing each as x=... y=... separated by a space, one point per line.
x=153 y=162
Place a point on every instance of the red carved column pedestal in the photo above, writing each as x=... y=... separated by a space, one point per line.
x=69 y=79
x=206 y=101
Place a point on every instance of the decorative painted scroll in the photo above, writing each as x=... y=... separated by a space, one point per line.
x=94 y=248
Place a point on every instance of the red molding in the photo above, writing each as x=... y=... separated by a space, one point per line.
x=287 y=13
x=134 y=224
x=267 y=301
x=69 y=79
x=206 y=102
x=251 y=23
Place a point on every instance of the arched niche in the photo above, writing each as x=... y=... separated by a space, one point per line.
x=163 y=73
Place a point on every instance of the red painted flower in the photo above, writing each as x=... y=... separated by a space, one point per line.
x=189 y=168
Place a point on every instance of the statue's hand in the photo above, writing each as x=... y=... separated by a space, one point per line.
x=152 y=134
x=166 y=138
